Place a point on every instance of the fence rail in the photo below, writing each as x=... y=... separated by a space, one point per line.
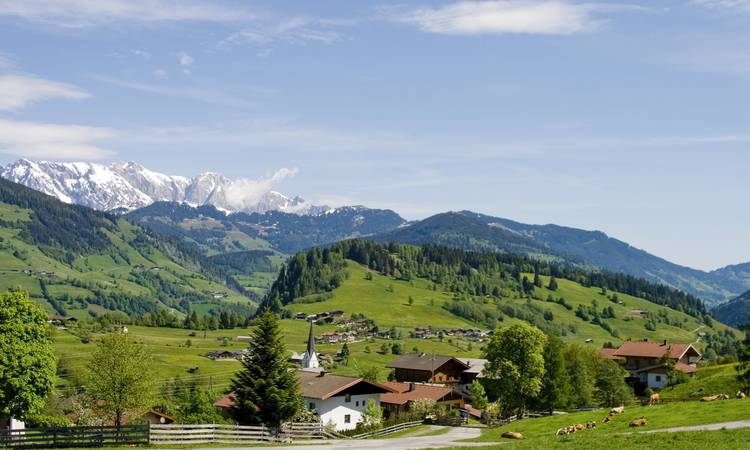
x=388 y=430
x=206 y=434
x=93 y=436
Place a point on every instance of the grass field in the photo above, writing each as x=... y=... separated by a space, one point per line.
x=540 y=433
x=709 y=380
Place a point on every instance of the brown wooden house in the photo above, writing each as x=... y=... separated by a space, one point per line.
x=398 y=403
x=424 y=368
x=645 y=361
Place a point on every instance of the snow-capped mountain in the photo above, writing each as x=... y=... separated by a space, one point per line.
x=128 y=186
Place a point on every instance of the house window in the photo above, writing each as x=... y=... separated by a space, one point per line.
x=357 y=404
x=311 y=406
x=348 y=418
x=348 y=398
x=658 y=378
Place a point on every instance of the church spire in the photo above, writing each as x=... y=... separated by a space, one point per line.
x=311 y=341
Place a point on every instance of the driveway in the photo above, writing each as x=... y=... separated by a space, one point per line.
x=709 y=427
x=406 y=443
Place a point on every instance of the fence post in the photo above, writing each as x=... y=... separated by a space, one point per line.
x=148 y=432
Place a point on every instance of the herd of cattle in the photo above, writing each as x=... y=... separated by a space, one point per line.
x=653 y=399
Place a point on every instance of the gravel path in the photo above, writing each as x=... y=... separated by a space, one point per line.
x=709 y=427
x=406 y=443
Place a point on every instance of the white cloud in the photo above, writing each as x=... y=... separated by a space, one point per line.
x=724 y=5
x=245 y=193
x=294 y=30
x=505 y=17
x=161 y=74
x=185 y=59
x=18 y=91
x=54 y=141
x=84 y=13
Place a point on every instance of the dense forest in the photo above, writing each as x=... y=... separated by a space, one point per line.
x=463 y=273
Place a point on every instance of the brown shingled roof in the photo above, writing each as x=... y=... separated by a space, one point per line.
x=402 y=394
x=313 y=385
x=653 y=349
x=423 y=361
x=609 y=353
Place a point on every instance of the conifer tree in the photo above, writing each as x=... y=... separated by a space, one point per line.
x=743 y=368
x=552 y=284
x=266 y=388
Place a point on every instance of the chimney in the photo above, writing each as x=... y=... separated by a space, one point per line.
x=411 y=387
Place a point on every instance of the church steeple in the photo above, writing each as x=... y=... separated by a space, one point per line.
x=311 y=340
x=310 y=358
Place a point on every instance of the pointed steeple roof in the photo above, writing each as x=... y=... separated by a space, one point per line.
x=311 y=341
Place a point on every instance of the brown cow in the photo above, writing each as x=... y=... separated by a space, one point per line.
x=579 y=427
x=654 y=399
x=512 y=435
x=639 y=422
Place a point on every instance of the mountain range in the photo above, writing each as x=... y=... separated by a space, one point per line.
x=125 y=186
x=204 y=211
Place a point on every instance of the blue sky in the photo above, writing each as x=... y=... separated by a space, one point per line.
x=628 y=117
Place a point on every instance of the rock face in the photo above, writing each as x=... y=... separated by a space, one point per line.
x=128 y=186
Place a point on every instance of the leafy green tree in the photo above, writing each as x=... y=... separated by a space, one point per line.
x=478 y=395
x=611 y=388
x=27 y=360
x=581 y=363
x=552 y=286
x=266 y=388
x=372 y=416
x=515 y=365
x=422 y=408
x=120 y=377
x=555 y=392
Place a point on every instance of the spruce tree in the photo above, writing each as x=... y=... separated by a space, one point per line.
x=743 y=369
x=266 y=388
x=552 y=284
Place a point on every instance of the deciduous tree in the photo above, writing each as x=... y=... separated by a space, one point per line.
x=27 y=360
x=515 y=365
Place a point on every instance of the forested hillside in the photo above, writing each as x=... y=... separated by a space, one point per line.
x=404 y=286
x=734 y=312
x=78 y=261
x=472 y=231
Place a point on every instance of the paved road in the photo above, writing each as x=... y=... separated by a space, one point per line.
x=406 y=443
x=709 y=427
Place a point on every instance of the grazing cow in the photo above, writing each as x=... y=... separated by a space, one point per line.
x=724 y=397
x=712 y=398
x=638 y=422
x=617 y=410
x=512 y=435
x=561 y=432
x=606 y=420
x=741 y=395
x=579 y=427
x=654 y=399
x=591 y=424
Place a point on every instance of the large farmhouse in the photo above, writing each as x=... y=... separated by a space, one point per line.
x=424 y=368
x=399 y=402
x=646 y=361
x=338 y=400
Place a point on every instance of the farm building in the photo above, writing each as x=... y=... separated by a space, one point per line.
x=398 y=403
x=424 y=368
x=338 y=400
x=645 y=361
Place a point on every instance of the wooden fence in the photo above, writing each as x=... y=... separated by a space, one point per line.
x=388 y=430
x=207 y=434
x=91 y=436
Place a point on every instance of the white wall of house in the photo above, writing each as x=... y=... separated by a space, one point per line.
x=656 y=380
x=336 y=409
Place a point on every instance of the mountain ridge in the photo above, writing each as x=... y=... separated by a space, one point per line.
x=126 y=186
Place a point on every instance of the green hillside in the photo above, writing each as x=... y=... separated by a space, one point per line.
x=407 y=287
x=79 y=262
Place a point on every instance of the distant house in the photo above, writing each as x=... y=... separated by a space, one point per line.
x=157 y=418
x=244 y=338
x=645 y=364
x=424 y=368
x=62 y=320
x=398 y=403
x=221 y=355
x=475 y=371
x=338 y=400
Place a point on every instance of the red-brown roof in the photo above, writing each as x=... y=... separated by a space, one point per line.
x=687 y=368
x=609 y=353
x=654 y=349
x=425 y=362
x=226 y=402
x=403 y=395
